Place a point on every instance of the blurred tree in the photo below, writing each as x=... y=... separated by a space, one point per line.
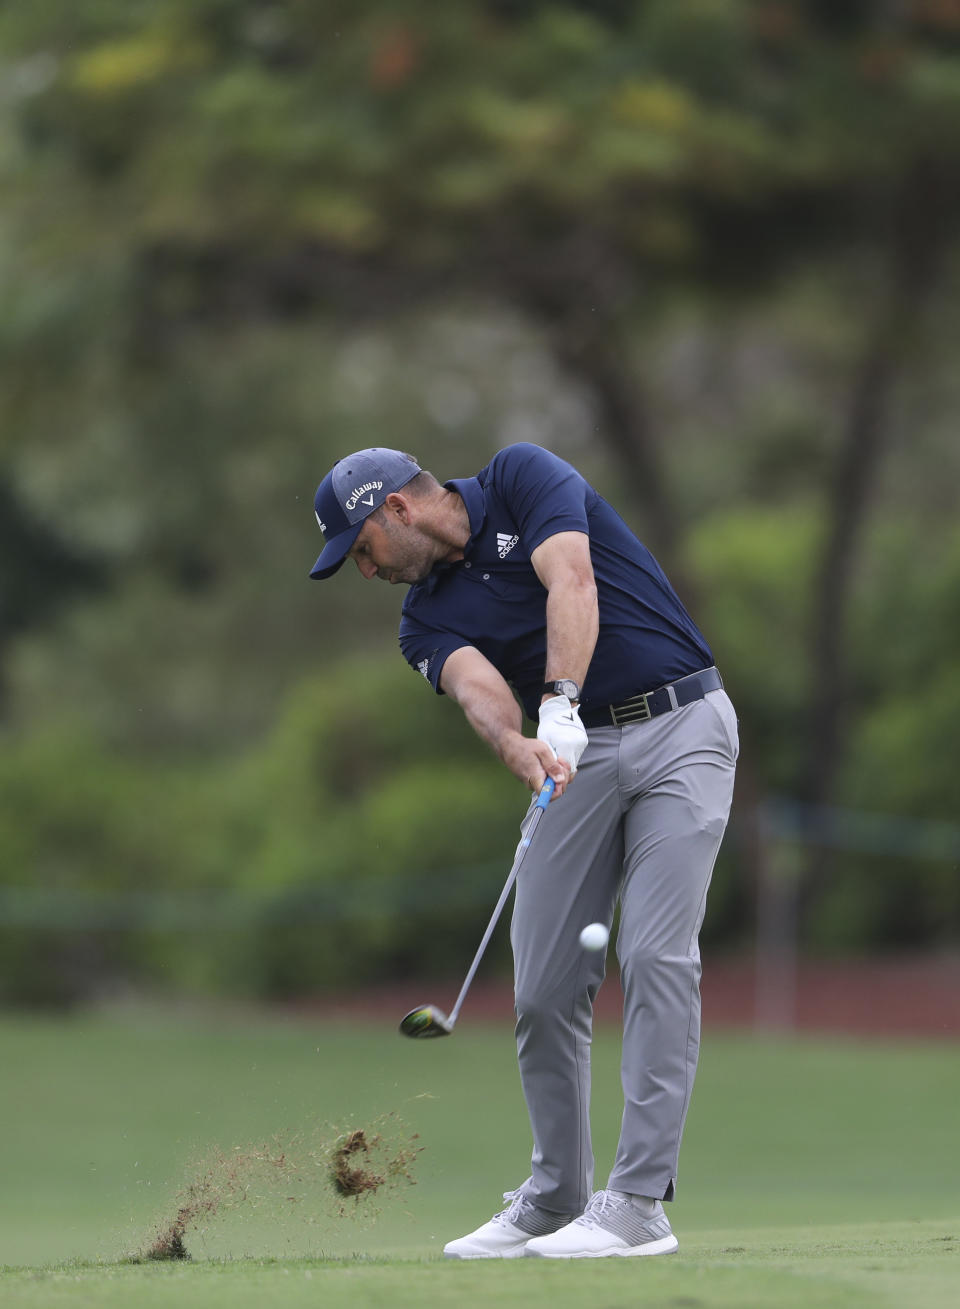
x=39 y=572
x=204 y=198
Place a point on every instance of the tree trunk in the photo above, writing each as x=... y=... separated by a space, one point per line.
x=627 y=432
x=913 y=246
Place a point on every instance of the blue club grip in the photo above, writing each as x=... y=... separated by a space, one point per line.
x=546 y=791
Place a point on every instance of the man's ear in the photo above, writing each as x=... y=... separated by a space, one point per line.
x=398 y=506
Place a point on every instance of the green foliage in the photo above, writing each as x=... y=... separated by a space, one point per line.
x=369 y=808
x=383 y=813
x=896 y=882
x=238 y=239
x=906 y=888
x=386 y=129
x=755 y=570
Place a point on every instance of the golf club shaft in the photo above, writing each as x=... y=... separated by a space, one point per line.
x=543 y=799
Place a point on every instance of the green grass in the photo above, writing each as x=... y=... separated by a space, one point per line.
x=813 y=1173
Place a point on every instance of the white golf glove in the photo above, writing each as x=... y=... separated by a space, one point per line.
x=561 y=728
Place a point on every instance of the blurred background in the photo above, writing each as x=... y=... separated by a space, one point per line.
x=707 y=251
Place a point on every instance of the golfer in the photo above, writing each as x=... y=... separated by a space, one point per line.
x=525 y=585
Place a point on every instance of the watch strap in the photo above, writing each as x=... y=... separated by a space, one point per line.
x=562 y=686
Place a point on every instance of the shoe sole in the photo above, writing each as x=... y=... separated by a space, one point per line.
x=488 y=1254
x=666 y=1245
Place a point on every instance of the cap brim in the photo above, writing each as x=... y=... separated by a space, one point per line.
x=335 y=551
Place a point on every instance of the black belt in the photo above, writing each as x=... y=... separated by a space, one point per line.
x=648 y=704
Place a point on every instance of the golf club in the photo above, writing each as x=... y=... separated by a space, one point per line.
x=427 y=1020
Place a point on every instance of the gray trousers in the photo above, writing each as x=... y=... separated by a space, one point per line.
x=642 y=821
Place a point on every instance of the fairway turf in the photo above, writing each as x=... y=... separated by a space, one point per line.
x=813 y=1172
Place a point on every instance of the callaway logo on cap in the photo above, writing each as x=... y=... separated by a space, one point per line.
x=349 y=494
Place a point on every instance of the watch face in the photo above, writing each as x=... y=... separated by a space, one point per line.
x=567 y=688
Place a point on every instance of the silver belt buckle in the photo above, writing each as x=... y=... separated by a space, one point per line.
x=634 y=710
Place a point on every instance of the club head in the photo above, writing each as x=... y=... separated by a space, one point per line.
x=426 y=1021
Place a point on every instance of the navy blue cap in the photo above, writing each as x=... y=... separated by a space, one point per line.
x=349 y=494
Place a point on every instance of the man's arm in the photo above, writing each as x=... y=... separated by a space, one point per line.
x=562 y=563
x=488 y=703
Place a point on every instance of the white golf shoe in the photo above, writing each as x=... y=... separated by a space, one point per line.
x=506 y=1234
x=613 y=1223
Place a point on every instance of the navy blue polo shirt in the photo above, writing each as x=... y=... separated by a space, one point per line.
x=492 y=599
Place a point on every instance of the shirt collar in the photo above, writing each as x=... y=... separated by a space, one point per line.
x=471 y=492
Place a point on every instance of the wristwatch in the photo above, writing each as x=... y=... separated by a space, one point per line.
x=563 y=686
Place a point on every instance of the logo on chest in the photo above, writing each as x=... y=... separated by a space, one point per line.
x=505 y=543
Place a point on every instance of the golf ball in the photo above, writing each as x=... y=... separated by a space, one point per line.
x=594 y=936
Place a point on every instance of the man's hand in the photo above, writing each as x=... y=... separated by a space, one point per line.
x=493 y=713
x=533 y=761
x=561 y=728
